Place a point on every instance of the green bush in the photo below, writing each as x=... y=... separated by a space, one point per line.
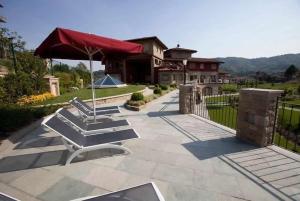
x=157 y=91
x=137 y=96
x=229 y=88
x=173 y=85
x=14 y=117
x=135 y=103
x=164 y=87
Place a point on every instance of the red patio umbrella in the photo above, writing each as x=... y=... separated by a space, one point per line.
x=69 y=44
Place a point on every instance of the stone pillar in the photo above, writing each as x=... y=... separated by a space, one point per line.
x=81 y=83
x=53 y=84
x=186 y=99
x=256 y=115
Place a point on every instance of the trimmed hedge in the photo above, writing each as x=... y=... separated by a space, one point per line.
x=14 y=117
x=137 y=96
x=164 y=87
x=157 y=91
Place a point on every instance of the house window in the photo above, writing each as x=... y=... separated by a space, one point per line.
x=213 y=66
x=174 y=77
x=207 y=66
x=201 y=66
x=156 y=61
x=202 y=78
x=193 y=77
x=192 y=66
x=213 y=78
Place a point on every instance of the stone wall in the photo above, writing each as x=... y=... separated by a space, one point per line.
x=256 y=115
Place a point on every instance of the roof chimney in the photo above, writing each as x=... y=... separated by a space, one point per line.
x=178 y=45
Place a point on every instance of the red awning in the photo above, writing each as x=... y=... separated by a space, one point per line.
x=69 y=44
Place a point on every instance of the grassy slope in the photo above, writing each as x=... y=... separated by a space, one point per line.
x=85 y=94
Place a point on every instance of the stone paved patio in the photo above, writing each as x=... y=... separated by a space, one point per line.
x=188 y=158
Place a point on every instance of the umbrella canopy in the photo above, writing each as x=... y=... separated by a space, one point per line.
x=69 y=44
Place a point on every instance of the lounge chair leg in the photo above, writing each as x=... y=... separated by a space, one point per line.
x=69 y=147
x=73 y=155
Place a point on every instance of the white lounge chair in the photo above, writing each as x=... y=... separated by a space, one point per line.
x=4 y=197
x=78 y=143
x=87 y=114
x=145 y=192
x=97 y=108
x=91 y=127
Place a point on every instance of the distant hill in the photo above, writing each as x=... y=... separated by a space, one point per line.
x=276 y=64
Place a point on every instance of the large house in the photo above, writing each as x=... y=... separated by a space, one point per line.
x=158 y=64
x=138 y=68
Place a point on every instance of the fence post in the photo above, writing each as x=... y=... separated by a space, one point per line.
x=186 y=99
x=256 y=115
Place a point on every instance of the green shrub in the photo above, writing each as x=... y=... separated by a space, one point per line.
x=14 y=117
x=137 y=96
x=157 y=91
x=135 y=103
x=229 y=88
x=164 y=87
x=173 y=85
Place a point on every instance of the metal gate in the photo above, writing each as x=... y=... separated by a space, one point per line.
x=286 y=129
x=222 y=108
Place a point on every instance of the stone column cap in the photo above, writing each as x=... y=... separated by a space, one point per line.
x=262 y=90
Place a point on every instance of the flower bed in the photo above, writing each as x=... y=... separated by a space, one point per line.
x=33 y=99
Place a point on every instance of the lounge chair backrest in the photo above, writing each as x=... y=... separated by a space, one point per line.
x=72 y=118
x=79 y=107
x=83 y=103
x=66 y=131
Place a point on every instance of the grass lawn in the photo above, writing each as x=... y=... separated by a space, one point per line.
x=281 y=141
x=85 y=94
x=281 y=86
x=297 y=101
x=287 y=116
x=225 y=115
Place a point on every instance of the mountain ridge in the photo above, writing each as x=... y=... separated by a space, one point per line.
x=274 y=64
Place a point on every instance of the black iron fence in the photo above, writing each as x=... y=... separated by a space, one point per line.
x=221 y=108
x=286 y=131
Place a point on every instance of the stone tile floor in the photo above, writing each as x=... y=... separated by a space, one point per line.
x=188 y=158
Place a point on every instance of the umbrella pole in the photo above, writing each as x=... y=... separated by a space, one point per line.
x=92 y=85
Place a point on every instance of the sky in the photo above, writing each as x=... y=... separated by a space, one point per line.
x=215 y=28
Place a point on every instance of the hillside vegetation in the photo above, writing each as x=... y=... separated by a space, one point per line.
x=239 y=65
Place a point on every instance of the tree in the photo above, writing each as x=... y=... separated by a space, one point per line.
x=35 y=67
x=81 y=66
x=6 y=38
x=290 y=72
x=61 y=68
x=15 y=86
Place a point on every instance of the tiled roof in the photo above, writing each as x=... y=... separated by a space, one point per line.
x=181 y=49
x=155 y=38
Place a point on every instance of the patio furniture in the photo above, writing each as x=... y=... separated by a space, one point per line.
x=4 y=197
x=97 y=108
x=87 y=114
x=145 y=192
x=92 y=127
x=77 y=143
